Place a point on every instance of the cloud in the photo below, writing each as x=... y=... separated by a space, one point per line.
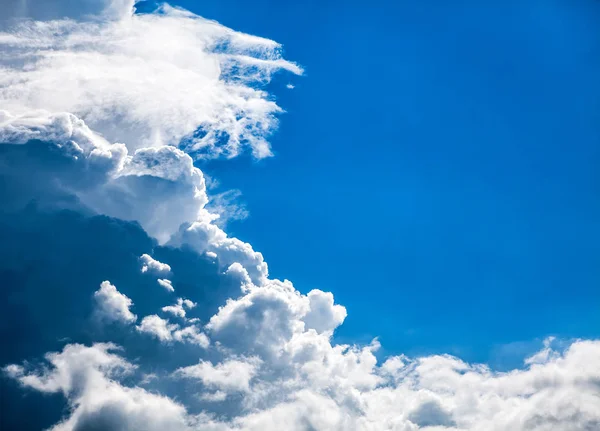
x=227 y=206
x=157 y=327
x=205 y=237
x=76 y=201
x=112 y=305
x=191 y=334
x=87 y=376
x=167 y=332
x=323 y=315
x=169 y=77
x=51 y=127
x=154 y=266
x=166 y=284
x=227 y=377
x=275 y=320
x=57 y=9
x=178 y=309
x=435 y=392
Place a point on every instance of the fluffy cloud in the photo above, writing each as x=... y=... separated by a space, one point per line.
x=152 y=265
x=179 y=308
x=274 y=319
x=168 y=332
x=169 y=77
x=231 y=376
x=157 y=327
x=112 y=305
x=436 y=392
x=166 y=284
x=271 y=361
x=105 y=177
x=206 y=237
x=86 y=376
x=51 y=127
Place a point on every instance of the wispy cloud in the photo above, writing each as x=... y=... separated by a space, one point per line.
x=165 y=78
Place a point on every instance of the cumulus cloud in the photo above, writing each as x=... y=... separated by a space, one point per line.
x=428 y=393
x=167 y=332
x=87 y=376
x=323 y=315
x=206 y=237
x=149 y=264
x=275 y=319
x=169 y=77
x=157 y=327
x=112 y=305
x=59 y=127
x=179 y=308
x=266 y=358
x=231 y=376
x=166 y=284
x=105 y=177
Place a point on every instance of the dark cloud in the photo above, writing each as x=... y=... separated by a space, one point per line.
x=52 y=260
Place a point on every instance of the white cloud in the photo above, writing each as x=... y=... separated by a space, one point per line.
x=154 y=79
x=205 y=237
x=52 y=127
x=147 y=80
x=157 y=327
x=227 y=206
x=55 y=9
x=192 y=335
x=167 y=332
x=227 y=377
x=428 y=393
x=112 y=305
x=88 y=378
x=323 y=315
x=107 y=179
x=152 y=265
x=178 y=192
x=166 y=284
x=274 y=319
x=178 y=309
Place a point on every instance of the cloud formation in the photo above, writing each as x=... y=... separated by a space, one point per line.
x=433 y=393
x=153 y=266
x=167 y=332
x=166 y=284
x=112 y=305
x=236 y=350
x=168 y=77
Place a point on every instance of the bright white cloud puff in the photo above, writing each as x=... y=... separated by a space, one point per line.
x=152 y=265
x=266 y=358
x=178 y=309
x=112 y=305
x=166 y=284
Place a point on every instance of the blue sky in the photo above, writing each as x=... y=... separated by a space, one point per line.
x=412 y=245
x=465 y=136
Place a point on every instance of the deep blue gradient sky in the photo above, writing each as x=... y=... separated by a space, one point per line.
x=463 y=138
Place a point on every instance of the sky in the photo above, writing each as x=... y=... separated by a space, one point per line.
x=226 y=215
x=465 y=135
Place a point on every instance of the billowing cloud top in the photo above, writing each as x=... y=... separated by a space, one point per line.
x=124 y=297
